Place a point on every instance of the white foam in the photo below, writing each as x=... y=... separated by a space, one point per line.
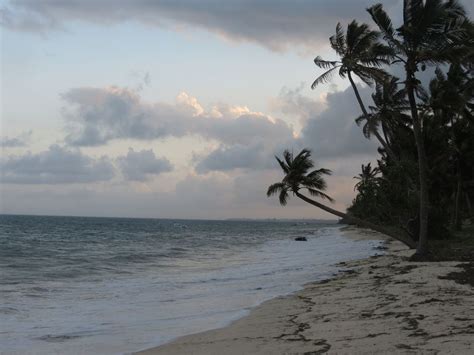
x=147 y=308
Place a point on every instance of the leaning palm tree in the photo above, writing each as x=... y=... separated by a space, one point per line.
x=299 y=177
x=433 y=32
x=362 y=55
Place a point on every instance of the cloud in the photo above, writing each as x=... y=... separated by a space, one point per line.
x=142 y=165
x=95 y=116
x=274 y=24
x=194 y=196
x=15 y=142
x=57 y=165
x=226 y=158
x=333 y=133
x=292 y=102
x=328 y=129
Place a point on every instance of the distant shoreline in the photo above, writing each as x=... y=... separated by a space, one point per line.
x=308 y=220
x=377 y=305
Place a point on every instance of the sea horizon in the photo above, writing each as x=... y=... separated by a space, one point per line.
x=238 y=219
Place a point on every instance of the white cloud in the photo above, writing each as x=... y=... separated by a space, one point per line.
x=292 y=102
x=95 y=116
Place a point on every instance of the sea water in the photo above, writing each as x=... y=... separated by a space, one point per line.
x=77 y=285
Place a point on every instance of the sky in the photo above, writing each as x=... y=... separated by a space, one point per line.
x=172 y=109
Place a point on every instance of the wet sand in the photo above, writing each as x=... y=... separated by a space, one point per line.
x=383 y=304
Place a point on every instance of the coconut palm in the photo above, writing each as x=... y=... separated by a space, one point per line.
x=367 y=178
x=299 y=176
x=451 y=101
x=433 y=32
x=388 y=111
x=360 y=54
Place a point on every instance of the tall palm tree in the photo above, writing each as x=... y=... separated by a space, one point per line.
x=367 y=178
x=360 y=54
x=298 y=177
x=451 y=101
x=388 y=111
x=433 y=32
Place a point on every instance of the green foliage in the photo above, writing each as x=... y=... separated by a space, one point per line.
x=359 y=53
x=298 y=176
x=434 y=32
x=427 y=133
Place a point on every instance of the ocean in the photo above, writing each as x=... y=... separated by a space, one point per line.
x=80 y=285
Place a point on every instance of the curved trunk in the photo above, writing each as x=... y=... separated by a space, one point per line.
x=422 y=247
x=360 y=222
x=366 y=115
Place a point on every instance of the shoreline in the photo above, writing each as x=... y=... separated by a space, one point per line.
x=382 y=304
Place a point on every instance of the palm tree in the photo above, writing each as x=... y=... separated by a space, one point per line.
x=388 y=111
x=433 y=32
x=451 y=101
x=298 y=177
x=367 y=178
x=360 y=54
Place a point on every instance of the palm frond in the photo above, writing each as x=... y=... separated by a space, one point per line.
x=283 y=197
x=411 y=10
x=338 y=42
x=320 y=194
x=385 y=25
x=288 y=156
x=275 y=188
x=324 y=64
x=283 y=166
x=323 y=171
x=324 y=78
x=371 y=74
x=359 y=120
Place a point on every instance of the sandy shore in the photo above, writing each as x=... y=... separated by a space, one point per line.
x=380 y=305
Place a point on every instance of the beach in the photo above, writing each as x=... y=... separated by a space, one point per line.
x=379 y=305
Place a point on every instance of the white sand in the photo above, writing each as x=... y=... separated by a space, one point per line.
x=385 y=305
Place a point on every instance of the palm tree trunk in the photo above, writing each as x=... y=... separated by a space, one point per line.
x=457 y=202
x=385 y=135
x=469 y=204
x=398 y=236
x=422 y=247
x=366 y=115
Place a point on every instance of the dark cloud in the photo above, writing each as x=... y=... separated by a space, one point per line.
x=328 y=126
x=15 y=142
x=333 y=133
x=57 y=165
x=96 y=116
x=275 y=24
x=142 y=165
x=226 y=158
